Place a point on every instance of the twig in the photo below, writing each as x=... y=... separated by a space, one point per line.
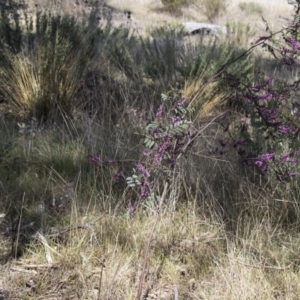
x=36 y=266
x=80 y=226
x=263 y=266
x=142 y=277
x=23 y=270
x=19 y=228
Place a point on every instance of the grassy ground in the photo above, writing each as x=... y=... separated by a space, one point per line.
x=67 y=231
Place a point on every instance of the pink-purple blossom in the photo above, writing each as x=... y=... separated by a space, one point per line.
x=280 y=177
x=130 y=207
x=292 y=174
x=161 y=150
x=294 y=43
x=143 y=170
x=182 y=101
x=266 y=156
x=119 y=177
x=259 y=163
x=239 y=143
x=159 y=112
x=284 y=129
x=95 y=159
x=284 y=157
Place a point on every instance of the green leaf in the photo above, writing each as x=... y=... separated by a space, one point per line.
x=164 y=97
x=151 y=125
x=149 y=143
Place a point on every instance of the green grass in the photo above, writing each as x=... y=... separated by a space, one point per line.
x=221 y=230
x=251 y=8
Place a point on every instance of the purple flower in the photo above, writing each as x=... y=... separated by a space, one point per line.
x=161 y=150
x=145 y=154
x=222 y=143
x=259 y=163
x=288 y=61
x=265 y=96
x=130 y=208
x=143 y=170
x=119 y=177
x=294 y=43
x=260 y=86
x=159 y=112
x=280 y=178
x=95 y=159
x=182 y=101
x=266 y=156
x=269 y=114
x=176 y=119
x=144 y=192
x=284 y=129
x=292 y=174
x=239 y=143
x=284 y=157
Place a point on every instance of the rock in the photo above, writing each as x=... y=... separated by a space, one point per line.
x=204 y=28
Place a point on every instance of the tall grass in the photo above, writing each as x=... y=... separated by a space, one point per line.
x=220 y=223
x=50 y=67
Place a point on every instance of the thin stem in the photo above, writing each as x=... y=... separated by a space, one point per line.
x=142 y=277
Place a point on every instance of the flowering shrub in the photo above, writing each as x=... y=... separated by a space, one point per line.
x=166 y=139
x=269 y=140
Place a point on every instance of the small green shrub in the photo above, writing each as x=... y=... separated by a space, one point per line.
x=174 y=6
x=251 y=8
x=212 y=8
x=240 y=34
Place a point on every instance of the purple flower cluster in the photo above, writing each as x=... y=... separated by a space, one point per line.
x=239 y=143
x=119 y=177
x=269 y=115
x=146 y=184
x=143 y=170
x=95 y=159
x=283 y=158
x=159 y=112
x=293 y=43
x=284 y=129
x=176 y=119
x=262 y=159
x=161 y=150
x=182 y=101
x=259 y=87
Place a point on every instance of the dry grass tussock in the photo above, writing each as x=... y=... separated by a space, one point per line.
x=190 y=256
x=90 y=246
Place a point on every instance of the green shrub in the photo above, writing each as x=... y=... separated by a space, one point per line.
x=240 y=34
x=212 y=8
x=251 y=8
x=174 y=6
